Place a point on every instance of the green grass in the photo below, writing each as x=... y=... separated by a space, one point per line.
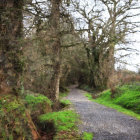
x=127 y=100
x=87 y=136
x=65 y=123
x=129 y=97
x=65 y=102
x=63 y=94
x=36 y=99
x=63 y=120
x=89 y=96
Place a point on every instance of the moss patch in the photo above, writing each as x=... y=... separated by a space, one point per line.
x=63 y=120
x=13 y=119
x=87 y=136
x=38 y=104
x=65 y=102
x=89 y=96
x=34 y=99
x=64 y=123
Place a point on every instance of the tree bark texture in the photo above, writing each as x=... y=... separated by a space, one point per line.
x=56 y=47
x=10 y=34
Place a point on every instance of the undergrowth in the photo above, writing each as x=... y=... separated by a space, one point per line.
x=65 y=102
x=86 y=88
x=35 y=99
x=64 y=123
x=63 y=120
x=13 y=119
x=87 y=136
x=63 y=94
x=127 y=100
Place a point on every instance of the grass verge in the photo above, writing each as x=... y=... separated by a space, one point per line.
x=64 y=123
x=126 y=101
x=87 y=136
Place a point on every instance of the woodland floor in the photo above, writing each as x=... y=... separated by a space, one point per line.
x=105 y=123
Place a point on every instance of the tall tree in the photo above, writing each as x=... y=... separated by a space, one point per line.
x=11 y=16
x=56 y=47
x=104 y=34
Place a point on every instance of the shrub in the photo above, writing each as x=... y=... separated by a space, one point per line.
x=15 y=120
x=38 y=104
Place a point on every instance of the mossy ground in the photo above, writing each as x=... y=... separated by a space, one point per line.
x=87 y=136
x=64 y=122
x=65 y=103
x=13 y=119
x=38 y=104
x=63 y=94
x=127 y=99
x=34 y=99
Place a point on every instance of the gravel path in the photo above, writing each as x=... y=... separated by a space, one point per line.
x=105 y=123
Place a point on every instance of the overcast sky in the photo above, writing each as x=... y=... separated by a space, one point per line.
x=134 y=59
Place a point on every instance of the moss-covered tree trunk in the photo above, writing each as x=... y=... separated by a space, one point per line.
x=56 y=47
x=101 y=61
x=11 y=26
x=101 y=66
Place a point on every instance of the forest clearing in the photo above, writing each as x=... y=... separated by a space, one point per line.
x=69 y=70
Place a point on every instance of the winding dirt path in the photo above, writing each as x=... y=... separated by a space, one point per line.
x=105 y=123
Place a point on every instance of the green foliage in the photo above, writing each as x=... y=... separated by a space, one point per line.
x=130 y=97
x=15 y=117
x=10 y=106
x=63 y=94
x=65 y=102
x=87 y=136
x=86 y=88
x=127 y=100
x=38 y=104
x=13 y=120
x=10 y=103
x=63 y=120
x=89 y=96
x=34 y=99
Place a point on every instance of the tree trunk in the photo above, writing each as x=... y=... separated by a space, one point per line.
x=10 y=33
x=56 y=47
